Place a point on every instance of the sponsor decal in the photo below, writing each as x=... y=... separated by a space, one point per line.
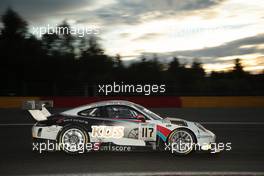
x=107 y=131
x=163 y=132
x=116 y=148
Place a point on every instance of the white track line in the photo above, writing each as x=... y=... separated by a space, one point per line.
x=206 y=173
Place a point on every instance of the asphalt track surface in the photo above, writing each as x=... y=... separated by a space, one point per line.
x=243 y=127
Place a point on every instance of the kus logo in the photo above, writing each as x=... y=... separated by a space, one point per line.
x=108 y=131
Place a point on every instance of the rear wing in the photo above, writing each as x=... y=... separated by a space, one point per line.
x=37 y=108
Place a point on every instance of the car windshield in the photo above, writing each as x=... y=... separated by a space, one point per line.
x=149 y=112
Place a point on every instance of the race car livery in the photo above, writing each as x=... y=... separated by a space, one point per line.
x=116 y=125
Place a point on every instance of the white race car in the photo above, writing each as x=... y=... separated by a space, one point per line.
x=116 y=125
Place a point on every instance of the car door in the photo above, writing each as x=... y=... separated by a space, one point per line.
x=134 y=127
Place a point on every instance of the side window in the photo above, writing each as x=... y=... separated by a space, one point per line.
x=122 y=112
x=92 y=112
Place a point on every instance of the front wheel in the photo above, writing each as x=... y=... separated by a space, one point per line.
x=181 y=141
x=73 y=140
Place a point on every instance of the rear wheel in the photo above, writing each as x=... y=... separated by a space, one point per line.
x=181 y=141
x=73 y=140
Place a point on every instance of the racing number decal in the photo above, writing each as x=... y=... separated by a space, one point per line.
x=147 y=132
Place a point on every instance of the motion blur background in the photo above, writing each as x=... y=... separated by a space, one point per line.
x=208 y=53
x=63 y=64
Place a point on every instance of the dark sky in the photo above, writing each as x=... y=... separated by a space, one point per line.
x=215 y=31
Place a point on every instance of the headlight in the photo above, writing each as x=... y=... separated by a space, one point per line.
x=200 y=127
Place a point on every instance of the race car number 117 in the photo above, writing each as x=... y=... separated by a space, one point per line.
x=147 y=132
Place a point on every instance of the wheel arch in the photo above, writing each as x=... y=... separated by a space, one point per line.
x=183 y=128
x=73 y=124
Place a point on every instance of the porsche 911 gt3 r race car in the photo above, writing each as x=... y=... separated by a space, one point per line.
x=116 y=125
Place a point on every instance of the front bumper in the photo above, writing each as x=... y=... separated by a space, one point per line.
x=206 y=141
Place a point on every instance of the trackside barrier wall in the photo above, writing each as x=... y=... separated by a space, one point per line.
x=14 y=102
x=148 y=101
x=223 y=102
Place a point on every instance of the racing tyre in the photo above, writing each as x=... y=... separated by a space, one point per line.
x=181 y=141
x=73 y=140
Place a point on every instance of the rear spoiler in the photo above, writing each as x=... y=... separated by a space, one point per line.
x=37 y=108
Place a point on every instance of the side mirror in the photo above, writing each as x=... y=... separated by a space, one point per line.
x=141 y=118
